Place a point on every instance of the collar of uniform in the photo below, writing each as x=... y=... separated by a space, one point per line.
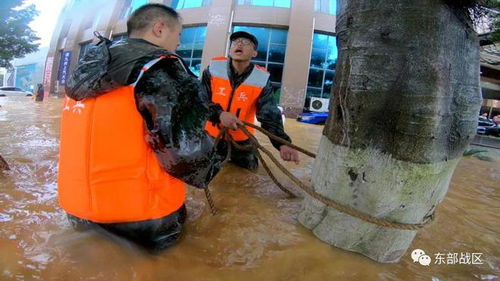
x=140 y=40
x=233 y=75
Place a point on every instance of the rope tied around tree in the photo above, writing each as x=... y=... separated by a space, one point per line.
x=255 y=145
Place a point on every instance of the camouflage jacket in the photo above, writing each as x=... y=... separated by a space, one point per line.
x=167 y=97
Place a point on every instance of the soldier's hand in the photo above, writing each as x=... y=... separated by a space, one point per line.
x=229 y=120
x=289 y=154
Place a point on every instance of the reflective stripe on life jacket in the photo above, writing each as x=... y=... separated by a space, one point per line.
x=241 y=101
x=107 y=171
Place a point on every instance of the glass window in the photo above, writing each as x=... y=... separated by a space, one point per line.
x=195 y=66
x=317 y=58
x=188 y=34
x=84 y=47
x=326 y=6
x=276 y=71
x=320 y=41
x=332 y=7
x=278 y=36
x=184 y=4
x=269 y=3
x=324 y=56
x=198 y=50
x=315 y=78
x=130 y=6
x=331 y=58
x=328 y=81
x=136 y=4
x=192 y=3
x=200 y=35
x=262 y=2
x=277 y=53
x=191 y=46
x=314 y=93
x=271 y=51
x=185 y=51
x=282 y=3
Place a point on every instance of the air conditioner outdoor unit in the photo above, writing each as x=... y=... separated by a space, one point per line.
x=319 y=104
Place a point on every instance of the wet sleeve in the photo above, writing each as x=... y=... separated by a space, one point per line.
x=214 y=109
x=168 y=98
x=269 y=115
x=157 y=94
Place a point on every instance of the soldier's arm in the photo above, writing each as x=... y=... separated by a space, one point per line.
x=168 y=98
x=269 y=115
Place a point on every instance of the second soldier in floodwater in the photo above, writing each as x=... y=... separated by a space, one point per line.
x=237 y=90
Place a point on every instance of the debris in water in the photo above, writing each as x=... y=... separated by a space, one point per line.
x=3 y=164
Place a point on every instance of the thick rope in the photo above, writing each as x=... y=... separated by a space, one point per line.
x=210 y=200
x=329 y=202
x=211 y=203
x=307 y=189
x=271 y=175
x=283 y=141
x=252 y=146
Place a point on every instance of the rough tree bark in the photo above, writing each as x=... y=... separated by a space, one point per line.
x=404 y=109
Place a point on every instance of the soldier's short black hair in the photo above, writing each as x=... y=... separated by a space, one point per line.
x=148 y=14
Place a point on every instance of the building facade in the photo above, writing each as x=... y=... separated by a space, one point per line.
x=27 y=72
x=296 y=40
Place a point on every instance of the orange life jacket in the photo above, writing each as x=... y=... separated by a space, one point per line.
x=241 y=101
x=107 y=171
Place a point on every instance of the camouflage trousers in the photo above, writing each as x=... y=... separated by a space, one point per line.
x=243 y=158
x=153 y=235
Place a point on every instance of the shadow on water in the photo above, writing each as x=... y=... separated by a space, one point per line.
x=255 y=236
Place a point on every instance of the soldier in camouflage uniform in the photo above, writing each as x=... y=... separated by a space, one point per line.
x=166 y=95
x=239 y=70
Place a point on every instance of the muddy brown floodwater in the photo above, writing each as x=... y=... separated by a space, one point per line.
x=255 y=236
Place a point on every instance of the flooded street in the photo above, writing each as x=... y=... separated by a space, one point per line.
x=255 y=236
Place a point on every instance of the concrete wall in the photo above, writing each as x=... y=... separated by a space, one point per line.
x=298 y=52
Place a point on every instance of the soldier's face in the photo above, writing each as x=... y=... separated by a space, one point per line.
x=170 y=37
x=242 y=49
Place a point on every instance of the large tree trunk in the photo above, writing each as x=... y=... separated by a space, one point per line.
x=404 y=109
